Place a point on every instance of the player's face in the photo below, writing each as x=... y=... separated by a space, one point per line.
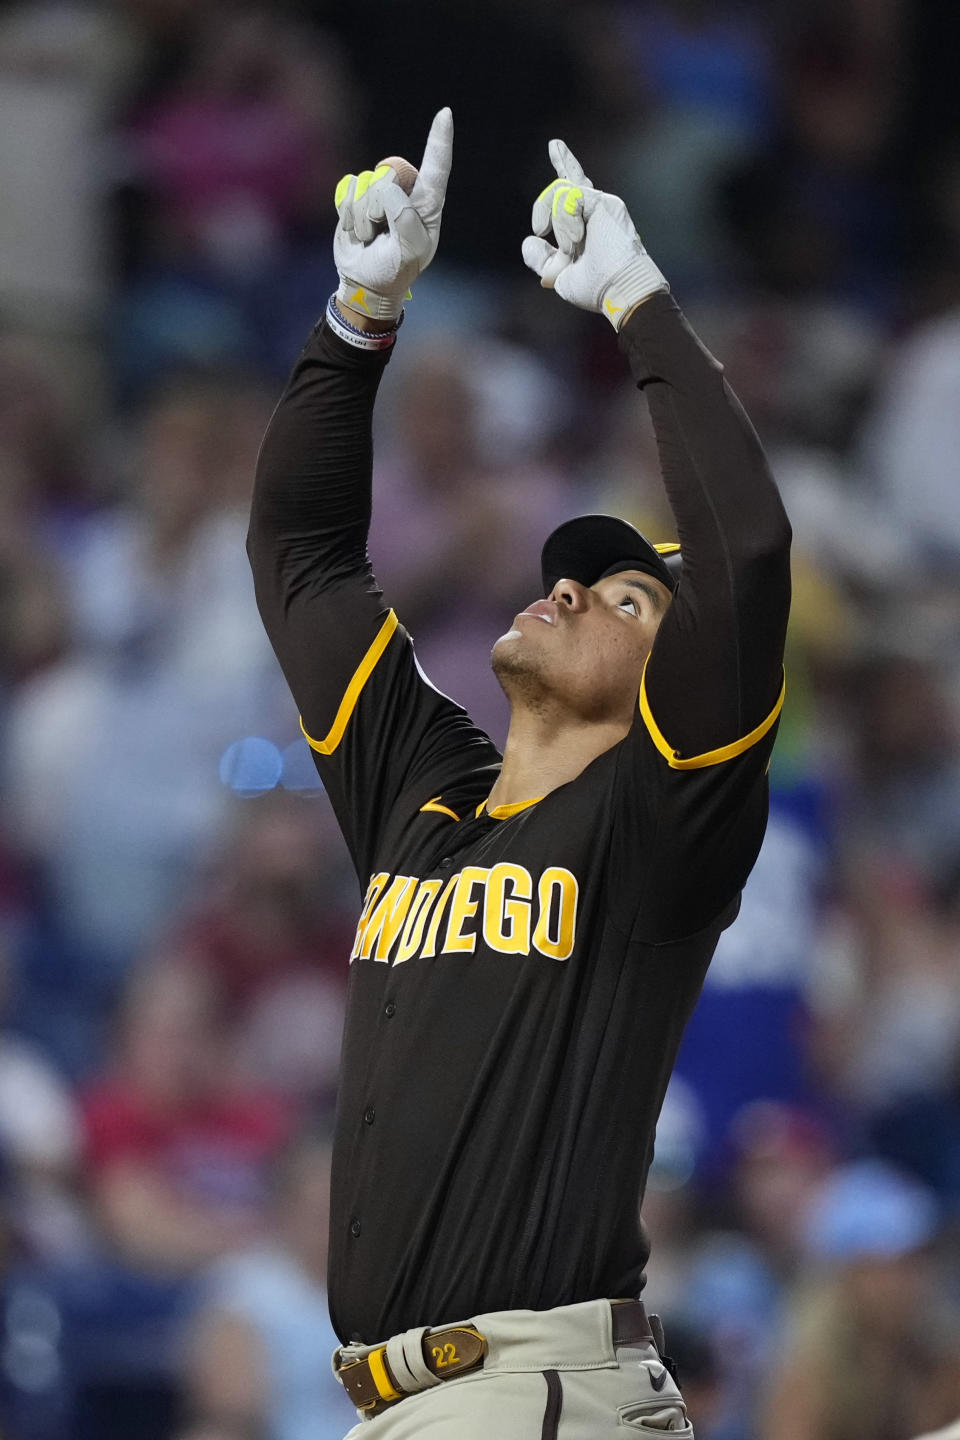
x=583 y=647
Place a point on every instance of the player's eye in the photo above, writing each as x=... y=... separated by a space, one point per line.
x=628 y=603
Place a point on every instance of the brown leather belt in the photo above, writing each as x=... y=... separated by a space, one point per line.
x=456 y=1351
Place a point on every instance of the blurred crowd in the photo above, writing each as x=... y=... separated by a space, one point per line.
x=176 y=904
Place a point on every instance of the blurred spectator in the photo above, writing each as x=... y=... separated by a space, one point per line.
x=817 y=214
x=60 y=65
x=733 y=1299
x=260 y=1354
x=921 y=1133
x=457 y=526
x=275 y=931
x=888 y=1025
x=42 y=497
x=171 y=665
x=177 y=1154
x=888 y=1021
x=912 y=433
x=746 y=1040
x=670 y=1208
x=783 y=1155
x=906 y=805
x=621 y=474
x=49 y=409
x=40 y=1141
x=244 y=143
x=232 y=166
x=702 y=78
x=871 y=1353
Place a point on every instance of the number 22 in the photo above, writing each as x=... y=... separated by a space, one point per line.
x=444 y=1355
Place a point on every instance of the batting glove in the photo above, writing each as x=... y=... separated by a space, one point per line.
x=377 y=266
x=598 y=262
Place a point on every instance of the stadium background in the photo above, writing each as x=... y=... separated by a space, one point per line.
x=175 y=904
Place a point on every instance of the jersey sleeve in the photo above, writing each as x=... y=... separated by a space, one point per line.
x=693 y=769
x=376 y=726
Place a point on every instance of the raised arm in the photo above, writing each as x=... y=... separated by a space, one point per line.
x=375 y=725
x=715 y=673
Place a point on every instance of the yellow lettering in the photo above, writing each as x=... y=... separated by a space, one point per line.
x=430 y=947
x=506 y=916
x=416 y=920
x=560 y=945
x=386 y=919
x=444 y=1355
x=374 y=890
x=398 y=911
x=463 y=908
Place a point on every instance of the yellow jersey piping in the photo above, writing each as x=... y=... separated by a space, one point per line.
x=436 y=808
x=360 y=677
x=503 y=812
x=710 y=757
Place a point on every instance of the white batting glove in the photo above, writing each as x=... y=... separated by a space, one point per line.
x=598 y=262
x=377 y=266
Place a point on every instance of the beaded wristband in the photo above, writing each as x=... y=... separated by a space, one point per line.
x=361 y=339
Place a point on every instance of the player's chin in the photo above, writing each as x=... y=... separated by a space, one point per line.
x=521 y=638
x=512 y=651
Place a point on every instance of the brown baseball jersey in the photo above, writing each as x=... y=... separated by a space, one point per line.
x=520 y=977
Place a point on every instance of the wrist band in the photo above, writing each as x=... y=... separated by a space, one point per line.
x=361 y=339
x=367 y=302
x=639 y=278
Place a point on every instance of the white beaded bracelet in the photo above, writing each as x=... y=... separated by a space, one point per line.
x=361 y=339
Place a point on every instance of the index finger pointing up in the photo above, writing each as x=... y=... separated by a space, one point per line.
x=438 y=153
x=567 y=165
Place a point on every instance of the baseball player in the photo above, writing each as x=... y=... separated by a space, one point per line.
x=536 y=926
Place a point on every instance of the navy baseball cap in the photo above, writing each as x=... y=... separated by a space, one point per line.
x=590 y=547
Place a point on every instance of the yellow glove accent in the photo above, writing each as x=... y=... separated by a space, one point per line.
x=366 y=178
x=570 y=194
x=562 y=190
x=363 y=183
x=343 y=185
x=359 y=298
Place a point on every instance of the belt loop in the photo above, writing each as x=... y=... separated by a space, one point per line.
x=381 y=1378
x=407 y=1365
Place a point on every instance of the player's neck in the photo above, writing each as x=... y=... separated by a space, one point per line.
x=543 y=753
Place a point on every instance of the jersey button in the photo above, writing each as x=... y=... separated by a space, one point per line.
x=446 y=862
x=389 y=1009
x=354 y=1228
x=369 y=1115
